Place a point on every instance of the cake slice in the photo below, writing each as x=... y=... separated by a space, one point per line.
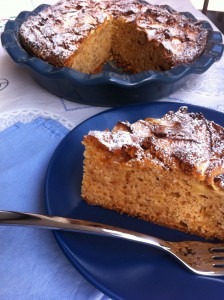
x=168 y=171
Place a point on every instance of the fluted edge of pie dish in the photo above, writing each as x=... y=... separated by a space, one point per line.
x=173 y=78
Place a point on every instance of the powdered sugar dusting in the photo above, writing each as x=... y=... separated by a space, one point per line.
x=57 y=32
x=117 y=140
x=179 y=139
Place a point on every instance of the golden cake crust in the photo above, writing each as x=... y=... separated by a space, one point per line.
x=58 y=32
x=187 y=141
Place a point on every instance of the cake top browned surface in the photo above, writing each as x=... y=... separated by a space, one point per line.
x=57 y=31
x=183 y=140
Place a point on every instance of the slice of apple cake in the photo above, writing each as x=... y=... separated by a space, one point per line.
x=168 y=171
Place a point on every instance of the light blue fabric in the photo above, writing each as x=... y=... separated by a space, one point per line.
x=32 y=266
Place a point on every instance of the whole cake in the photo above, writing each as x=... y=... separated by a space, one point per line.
x=138 y=36
x=169 y=171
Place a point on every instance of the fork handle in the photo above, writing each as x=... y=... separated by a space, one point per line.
x=61 y=223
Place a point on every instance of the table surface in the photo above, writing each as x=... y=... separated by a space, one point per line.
x=26 y=108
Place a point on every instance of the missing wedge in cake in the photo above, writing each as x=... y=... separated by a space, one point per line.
x=84 y=34
x=169 y=171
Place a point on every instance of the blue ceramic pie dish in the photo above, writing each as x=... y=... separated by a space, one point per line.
x=109 y=87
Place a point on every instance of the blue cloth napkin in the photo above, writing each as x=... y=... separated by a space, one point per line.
x=32 y=266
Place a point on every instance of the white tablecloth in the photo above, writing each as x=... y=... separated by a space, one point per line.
x=23 y=100
x=23 y=96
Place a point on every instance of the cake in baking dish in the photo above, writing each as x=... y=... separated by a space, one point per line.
x=168 y=171
x=138 y=36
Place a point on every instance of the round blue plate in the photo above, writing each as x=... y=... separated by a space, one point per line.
x=120 y=269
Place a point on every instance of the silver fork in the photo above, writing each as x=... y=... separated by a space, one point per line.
x=200 y=257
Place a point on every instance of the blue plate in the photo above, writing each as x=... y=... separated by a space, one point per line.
x=120 y=269
x=110 y=87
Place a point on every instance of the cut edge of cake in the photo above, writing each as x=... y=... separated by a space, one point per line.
x=139 y=36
